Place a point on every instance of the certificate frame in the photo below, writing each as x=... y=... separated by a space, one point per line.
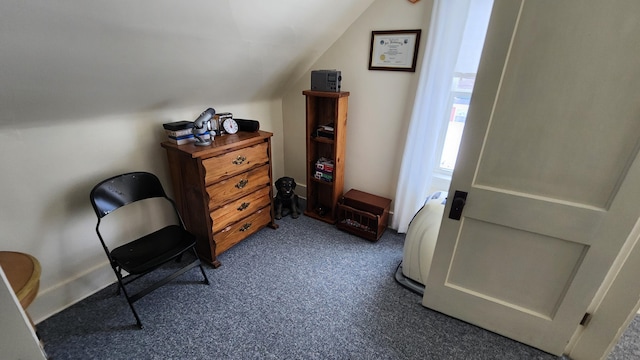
x=394 y=50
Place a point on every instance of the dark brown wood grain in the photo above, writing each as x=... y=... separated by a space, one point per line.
x=210 y=182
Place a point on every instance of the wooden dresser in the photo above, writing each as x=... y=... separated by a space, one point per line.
x=223 y=191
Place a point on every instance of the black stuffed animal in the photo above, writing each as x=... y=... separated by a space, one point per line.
x=285 y=198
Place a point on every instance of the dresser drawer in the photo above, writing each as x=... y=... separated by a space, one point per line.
x=231 y=235
x=236 y=210
x=237 y=186
x=234 y=162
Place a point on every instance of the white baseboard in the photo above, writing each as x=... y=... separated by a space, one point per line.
x=301 y=190
x=59 y=297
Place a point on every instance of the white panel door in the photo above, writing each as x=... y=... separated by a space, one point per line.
x=549 y=162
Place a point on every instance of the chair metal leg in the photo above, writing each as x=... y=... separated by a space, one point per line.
x=119 y=276
x=206 y=279
x=135 y=314
x=126 y=295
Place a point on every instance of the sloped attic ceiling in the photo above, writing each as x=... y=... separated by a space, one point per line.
x=81 y=59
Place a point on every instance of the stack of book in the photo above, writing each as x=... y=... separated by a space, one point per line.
x=179 y=132
x=324 y=169
x=325 y=131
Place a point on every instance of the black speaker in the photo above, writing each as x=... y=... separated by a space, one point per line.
x=248 y=125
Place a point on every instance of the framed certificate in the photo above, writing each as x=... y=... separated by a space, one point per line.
x=395 y=50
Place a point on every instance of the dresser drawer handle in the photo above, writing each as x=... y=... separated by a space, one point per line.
x=242 y=183
x=243 y=206
x=239 y=160
x=245 y=227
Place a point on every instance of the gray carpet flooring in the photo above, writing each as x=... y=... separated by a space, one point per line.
x=628 y=347
x=303 y=291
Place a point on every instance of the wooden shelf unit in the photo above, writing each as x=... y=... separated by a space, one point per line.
x=325 y=108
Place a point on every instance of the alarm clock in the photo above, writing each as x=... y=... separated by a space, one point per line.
x=230 y=126
x=221 y=119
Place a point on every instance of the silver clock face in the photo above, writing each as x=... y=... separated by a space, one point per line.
x=230 y=126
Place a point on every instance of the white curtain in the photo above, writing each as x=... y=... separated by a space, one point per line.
x=430 y=108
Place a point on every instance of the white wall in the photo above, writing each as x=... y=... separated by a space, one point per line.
x=380 y=102
x=49 y=170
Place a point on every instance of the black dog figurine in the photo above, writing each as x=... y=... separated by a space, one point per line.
x=286 y=198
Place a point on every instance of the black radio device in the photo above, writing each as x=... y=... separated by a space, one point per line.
x=326 y=80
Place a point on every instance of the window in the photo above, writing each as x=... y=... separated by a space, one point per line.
x=462 y=83
x=460 y=96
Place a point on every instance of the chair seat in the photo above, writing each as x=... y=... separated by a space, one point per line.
x=152 y=250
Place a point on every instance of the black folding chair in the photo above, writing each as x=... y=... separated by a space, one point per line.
x=147 y=253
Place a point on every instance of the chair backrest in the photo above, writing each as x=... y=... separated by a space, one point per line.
x=120 y=190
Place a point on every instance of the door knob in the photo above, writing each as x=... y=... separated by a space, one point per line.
x=459 y=200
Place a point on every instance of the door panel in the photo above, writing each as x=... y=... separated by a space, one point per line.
x=486 y=255
x=549 y=161
x=514 y=209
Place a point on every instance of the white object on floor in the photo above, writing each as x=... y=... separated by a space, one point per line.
x=420 y=243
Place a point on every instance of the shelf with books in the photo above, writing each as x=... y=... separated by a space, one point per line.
x=326 y=125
